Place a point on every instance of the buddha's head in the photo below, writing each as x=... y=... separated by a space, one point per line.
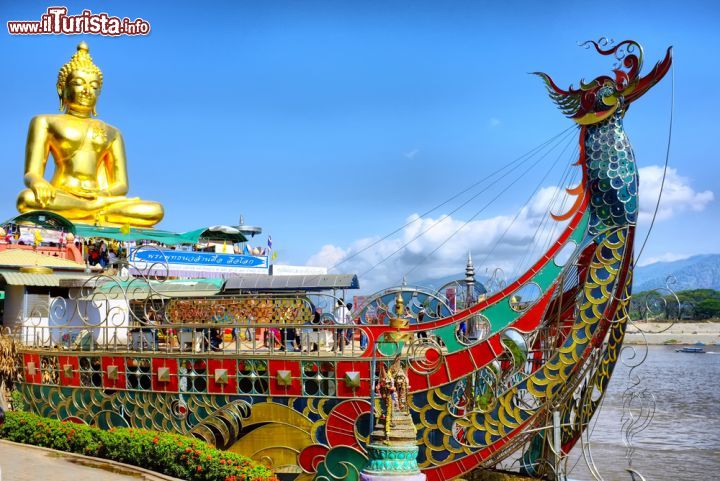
x=79 y=83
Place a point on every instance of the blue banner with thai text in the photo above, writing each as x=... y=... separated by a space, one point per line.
x=144 y=258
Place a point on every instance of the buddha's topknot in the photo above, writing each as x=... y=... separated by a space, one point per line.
x=80 y=61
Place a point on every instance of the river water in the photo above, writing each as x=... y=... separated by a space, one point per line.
x=683 y=440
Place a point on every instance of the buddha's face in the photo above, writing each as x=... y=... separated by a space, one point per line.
x=81 y=91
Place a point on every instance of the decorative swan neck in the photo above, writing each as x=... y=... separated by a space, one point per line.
x=599 y=99
x=609 y=173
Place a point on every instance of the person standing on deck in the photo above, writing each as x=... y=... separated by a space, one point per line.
x=349 y=332
x=342 y=317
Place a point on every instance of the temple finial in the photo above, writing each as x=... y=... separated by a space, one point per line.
x=400 y=305
x=469 y=270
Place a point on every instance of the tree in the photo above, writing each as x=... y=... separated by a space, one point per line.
x=689 y=304
x=707 y=309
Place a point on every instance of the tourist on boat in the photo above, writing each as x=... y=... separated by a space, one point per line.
x=363 y=336
x=112 y=258
x=305 y=343
x=93 y=257
x=342 y=317
x=216 y=339
x=420 y=319
x=272 y=338
x=349 y=332
x=291 y=339
x=462 y=330
x=150 y=333
x=103 y=254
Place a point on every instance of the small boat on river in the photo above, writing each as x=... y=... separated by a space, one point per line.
x=691 y=350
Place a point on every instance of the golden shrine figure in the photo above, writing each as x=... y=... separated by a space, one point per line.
x=90 y=182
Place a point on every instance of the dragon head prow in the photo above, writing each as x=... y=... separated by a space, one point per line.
x=597 y=100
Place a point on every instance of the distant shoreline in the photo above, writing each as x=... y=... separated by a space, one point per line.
x=680 y=333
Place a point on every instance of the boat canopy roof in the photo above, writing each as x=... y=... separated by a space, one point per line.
x=53 y=221
x=292 y=282
x=143 y=289
x=44 y=220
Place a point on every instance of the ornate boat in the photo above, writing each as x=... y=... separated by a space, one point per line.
x=518 y=372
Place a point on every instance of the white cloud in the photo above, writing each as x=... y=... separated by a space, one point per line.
x=494 y=122
x=412 y=153
x=523 y=237
x=501 y=241
x=329 y=255
x=677 y=197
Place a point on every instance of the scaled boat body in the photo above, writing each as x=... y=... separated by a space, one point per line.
x=545 y=343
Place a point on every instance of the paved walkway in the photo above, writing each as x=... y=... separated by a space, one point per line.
x=26 y=463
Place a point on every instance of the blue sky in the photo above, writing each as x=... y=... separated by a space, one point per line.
x=330 y=123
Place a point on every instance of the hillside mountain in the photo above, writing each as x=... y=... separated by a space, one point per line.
x=696 y=272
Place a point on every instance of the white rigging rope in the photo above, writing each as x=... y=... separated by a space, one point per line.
x=447 y=239
x=665 y=168
x=522 y=159
x=439 y=221
x=531 y=253
x=517 y=215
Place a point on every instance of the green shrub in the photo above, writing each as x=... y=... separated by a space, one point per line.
x=170 y=454
x=18 y=402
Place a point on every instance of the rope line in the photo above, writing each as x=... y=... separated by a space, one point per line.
x=525 y=156
x=667 y=160
x=564 y=175
x=545 y=220
x=427 y=256
x=436 y=223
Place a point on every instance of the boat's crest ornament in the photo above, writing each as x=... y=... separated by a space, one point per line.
x=596 y=100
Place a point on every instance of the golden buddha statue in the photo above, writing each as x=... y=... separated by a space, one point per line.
x=90 y=182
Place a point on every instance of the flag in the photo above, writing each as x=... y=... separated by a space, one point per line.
x=274 y=256
x=248 y=249
x=269 y=242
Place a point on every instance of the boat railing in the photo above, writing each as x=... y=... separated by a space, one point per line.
x=221 y=339
x=144 y=315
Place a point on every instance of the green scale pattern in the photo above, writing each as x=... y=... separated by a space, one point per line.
x=613 y=179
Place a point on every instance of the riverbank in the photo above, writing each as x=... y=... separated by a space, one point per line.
x=658 y=333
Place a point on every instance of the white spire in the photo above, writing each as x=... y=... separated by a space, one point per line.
x=469 y=270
